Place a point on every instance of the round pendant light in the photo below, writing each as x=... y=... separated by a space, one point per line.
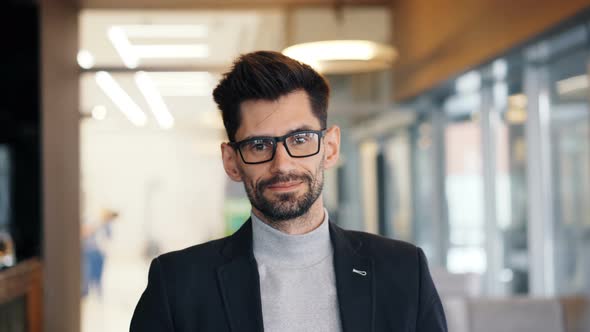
x=343 y=56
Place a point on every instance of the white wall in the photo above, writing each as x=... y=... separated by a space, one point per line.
x=172 y=179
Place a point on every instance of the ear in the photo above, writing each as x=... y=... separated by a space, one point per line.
x=230 y=162
x=332 y=146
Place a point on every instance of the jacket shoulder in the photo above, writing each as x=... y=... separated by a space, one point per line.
x=377 y=244
x=204 y=254
x=386 y=251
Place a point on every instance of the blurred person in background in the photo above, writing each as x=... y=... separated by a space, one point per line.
x=94 y=234
x=288 y=268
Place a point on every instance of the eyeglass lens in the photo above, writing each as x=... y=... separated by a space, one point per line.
x=298 y=145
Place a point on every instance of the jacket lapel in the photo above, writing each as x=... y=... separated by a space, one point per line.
x=240 y=284
x=354 y=283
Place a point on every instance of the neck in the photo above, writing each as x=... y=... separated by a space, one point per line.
x=300 y=225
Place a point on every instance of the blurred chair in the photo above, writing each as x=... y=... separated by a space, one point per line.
x=456 y=284
x=515 y=314
x=576 y=313
x=457 y=313
x=454 y=289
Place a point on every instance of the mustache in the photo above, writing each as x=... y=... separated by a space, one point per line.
x=279 y=178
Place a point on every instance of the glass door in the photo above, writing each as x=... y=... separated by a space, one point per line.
x=464 y=194
x=570 y=150
x=397 y=206
x=429 y=222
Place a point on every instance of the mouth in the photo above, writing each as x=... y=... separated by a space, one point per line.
x=284 y=186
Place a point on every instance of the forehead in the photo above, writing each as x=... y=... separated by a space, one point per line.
x=276 y=117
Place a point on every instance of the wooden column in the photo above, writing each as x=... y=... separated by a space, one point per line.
x=60 y=124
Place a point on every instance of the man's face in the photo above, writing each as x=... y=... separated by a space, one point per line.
x=285 y=187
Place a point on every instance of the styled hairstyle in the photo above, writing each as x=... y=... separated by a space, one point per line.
x=267 y=75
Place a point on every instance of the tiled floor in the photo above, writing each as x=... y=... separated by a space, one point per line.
x=123 y=282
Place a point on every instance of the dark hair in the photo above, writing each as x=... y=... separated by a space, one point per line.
x=267 y=75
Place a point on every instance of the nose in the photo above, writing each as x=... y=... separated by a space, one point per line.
x=282 y=161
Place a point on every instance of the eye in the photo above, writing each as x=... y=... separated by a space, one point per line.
x=299 y=139
x=258 y=145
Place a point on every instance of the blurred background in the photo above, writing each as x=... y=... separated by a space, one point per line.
x=466 y=131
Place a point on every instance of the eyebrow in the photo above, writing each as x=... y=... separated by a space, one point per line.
x=302 y=128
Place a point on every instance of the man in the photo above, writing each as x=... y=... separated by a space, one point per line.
x=287 y=268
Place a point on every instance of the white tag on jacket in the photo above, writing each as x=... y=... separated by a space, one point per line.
x=363 y=273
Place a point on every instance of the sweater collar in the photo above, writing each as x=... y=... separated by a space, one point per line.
x=273 y=247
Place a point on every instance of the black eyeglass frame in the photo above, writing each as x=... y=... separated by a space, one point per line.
x=236 y=145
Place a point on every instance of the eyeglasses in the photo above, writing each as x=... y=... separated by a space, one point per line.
x=300 y=144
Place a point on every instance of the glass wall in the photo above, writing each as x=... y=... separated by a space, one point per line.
x=7 y=255
x=570 y=155
x=4 y=187
x=464 y=183
x=509 y=118
x=398 y=185
x=369 y=150
x=499 y=162
x=425 y=221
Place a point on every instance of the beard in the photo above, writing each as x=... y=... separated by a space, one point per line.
x=285 y=206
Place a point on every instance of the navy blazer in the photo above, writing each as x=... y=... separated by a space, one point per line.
x=215 y=287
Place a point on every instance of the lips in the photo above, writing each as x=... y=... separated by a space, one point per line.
x=284 y=185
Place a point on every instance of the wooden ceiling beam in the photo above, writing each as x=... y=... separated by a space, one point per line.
x=223 y=4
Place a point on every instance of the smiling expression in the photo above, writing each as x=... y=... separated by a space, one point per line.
x=284 y=188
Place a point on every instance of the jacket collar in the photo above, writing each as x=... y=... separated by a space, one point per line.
x=355 y=282
x=239 y=282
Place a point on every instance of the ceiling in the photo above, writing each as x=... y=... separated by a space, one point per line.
x=183 y=82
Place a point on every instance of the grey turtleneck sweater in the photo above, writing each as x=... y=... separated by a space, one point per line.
x=297 y=281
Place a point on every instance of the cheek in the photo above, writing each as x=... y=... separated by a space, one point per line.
x=317 y=165
x=252 y=174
